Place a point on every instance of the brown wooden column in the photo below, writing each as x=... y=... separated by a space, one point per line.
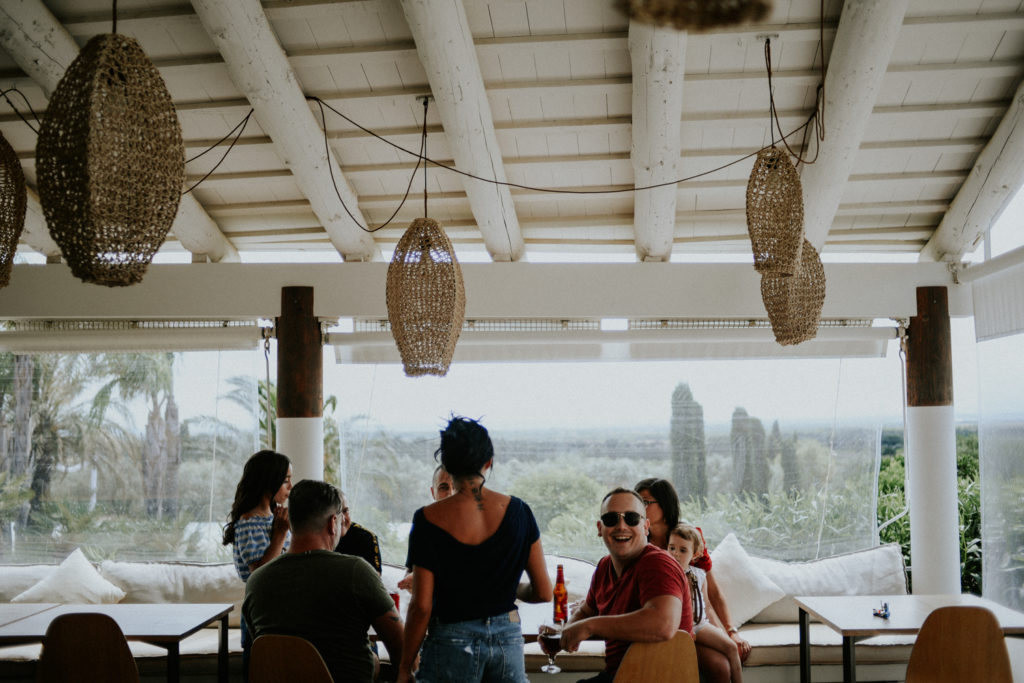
x=300 y=384
x=930 y=351
x=931 y=447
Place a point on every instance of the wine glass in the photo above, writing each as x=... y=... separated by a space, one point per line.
x=550 y=639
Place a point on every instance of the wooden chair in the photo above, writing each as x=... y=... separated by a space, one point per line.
x=670 y=661
x=957 y=644
x=278 y=658
x=85 y=647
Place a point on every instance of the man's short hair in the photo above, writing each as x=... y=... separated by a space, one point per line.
x=310 y=503
x=616 y=491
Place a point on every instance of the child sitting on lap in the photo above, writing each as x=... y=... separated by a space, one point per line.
x=684 y=544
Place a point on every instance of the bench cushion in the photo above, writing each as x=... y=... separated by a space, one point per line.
x=875 y=571
x=18 y=578
x=175 y=582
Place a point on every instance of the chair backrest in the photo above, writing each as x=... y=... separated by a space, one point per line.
x=960 y=643
x=85 y=647
x=278 y=658
x=670 y=661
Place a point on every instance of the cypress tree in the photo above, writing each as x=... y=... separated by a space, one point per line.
x=689 y=451
x=740 y=446
x=750 y=465
x=791 y=481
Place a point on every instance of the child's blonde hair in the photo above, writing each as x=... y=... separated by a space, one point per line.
x=688 y=532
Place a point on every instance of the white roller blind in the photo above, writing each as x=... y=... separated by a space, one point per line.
x=999 y=303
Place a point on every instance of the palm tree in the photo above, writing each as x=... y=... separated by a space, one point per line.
x=264 y=401
x=260 y=397
x=150 y=376
x=21 y=439
x=60 y=420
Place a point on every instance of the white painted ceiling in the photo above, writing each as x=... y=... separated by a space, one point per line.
x=556 y=77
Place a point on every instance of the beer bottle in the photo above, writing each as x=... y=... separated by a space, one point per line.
x=561 y=601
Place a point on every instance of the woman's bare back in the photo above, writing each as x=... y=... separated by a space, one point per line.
x=468 y=518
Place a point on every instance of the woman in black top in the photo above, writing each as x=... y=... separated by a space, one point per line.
x=468 y=553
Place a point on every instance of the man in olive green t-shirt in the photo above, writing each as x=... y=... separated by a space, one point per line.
x=327 y=598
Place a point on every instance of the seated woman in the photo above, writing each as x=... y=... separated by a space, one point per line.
x=662 y=504
x=468 y=552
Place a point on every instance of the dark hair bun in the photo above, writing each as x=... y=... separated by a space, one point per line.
x=465 y=447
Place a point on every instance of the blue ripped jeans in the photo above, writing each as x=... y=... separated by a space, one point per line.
x=486 y=650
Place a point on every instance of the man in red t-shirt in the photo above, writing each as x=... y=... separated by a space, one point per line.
x=638 y=592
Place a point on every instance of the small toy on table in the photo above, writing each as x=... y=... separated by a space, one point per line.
x=882 y=612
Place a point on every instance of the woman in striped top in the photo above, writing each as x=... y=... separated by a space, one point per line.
x=257 y=528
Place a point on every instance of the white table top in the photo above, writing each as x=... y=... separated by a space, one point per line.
x=153 y=623
x=851 y=615
x=16 y=611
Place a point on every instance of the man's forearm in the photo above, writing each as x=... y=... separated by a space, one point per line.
x=644 y=625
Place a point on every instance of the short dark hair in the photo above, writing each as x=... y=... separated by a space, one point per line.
x=465 y=447
x=621 y=489
x=663 y=492
x=310 y=503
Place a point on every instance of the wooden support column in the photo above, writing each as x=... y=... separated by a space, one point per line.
x=300 y=405
x=931 y=445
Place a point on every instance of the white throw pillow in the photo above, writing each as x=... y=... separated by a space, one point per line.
x=74 y=581
x=747 y=590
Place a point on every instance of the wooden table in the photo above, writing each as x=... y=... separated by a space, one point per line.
x=851 y=617
x=165 y=625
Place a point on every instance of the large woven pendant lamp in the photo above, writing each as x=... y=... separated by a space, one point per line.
x=426 y=297
x=697 y=15
x=13 y=198
x=794 y=303
x=111 y=162
x=775 y=213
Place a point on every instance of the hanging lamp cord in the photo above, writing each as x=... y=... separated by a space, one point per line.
x=423 y=146
x=266 y=359
x=113 y=27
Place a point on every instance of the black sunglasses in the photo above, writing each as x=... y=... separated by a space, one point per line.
x=612 y=518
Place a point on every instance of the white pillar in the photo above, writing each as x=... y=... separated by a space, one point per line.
x=932 y=491
x=931 y=447
x=302 y=440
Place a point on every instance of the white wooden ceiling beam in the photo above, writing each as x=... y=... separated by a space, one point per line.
x=500 y=290
x=658 y=56
x=44 y=49
x=445 y=47
x=36 y=234
x=259 y=68
x=867 y=34
x=997 y=175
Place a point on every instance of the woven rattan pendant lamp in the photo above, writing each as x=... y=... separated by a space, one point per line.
x=696 y=15
x=775 y=213
x=13 y=198
x=111 y=162
x=426 y=297
x=794 y=303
